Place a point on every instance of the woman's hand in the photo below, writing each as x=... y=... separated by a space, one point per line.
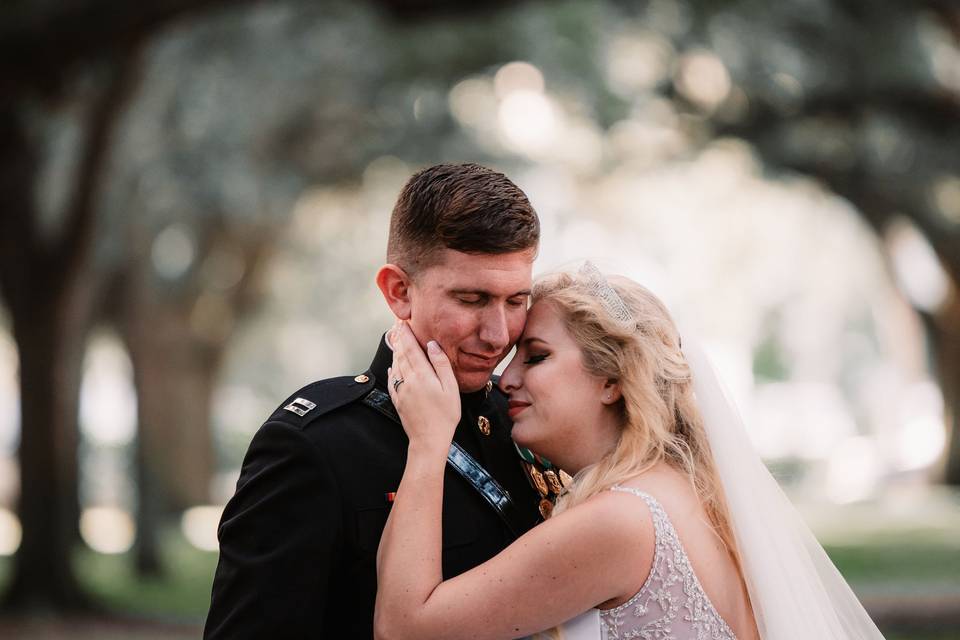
x=428 y=398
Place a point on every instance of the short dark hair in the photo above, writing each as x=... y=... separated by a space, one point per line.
x=465 y=207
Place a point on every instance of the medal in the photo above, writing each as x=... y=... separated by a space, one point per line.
x=538 y=481
x=483 y=423
x=546 y=508
x=553 y=481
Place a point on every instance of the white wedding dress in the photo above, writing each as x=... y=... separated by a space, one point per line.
x=670 y=604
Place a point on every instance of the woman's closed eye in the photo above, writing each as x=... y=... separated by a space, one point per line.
x=535 y=359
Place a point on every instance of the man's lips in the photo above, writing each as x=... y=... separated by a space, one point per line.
x=478 y=361
x=516 y=406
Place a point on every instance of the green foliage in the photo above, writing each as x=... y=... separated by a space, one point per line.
x=769 y=361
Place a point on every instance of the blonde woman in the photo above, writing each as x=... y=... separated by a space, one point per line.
x=656 y=538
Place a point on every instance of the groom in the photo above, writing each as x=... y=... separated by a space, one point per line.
x=298 y=540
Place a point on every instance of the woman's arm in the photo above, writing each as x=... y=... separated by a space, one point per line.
x=588 y=555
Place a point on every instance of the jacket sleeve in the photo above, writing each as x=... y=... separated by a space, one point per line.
x=278 y=536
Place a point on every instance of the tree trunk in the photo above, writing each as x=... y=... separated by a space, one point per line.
x=174 y=388
x=149 y=510
x=48 y=467
x=48 y=333
x=946 y=345
x=49 y=289
x=174 y=374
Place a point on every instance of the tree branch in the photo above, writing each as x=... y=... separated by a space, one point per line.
x=77 y=235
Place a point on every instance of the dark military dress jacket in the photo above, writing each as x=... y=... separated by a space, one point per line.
x=298 y=540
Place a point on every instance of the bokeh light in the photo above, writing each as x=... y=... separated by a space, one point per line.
x=107 y=529
x=199 y=526
x=10 y=532
x=108 y=400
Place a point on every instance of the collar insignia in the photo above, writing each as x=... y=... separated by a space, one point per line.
x=301 y=407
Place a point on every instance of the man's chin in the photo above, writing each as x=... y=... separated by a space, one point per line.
x=470 y=381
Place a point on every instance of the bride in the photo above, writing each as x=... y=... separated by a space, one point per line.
x=672 y=527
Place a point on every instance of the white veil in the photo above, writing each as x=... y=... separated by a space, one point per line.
x=796 y=591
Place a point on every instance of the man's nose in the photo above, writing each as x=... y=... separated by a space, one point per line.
x=493 y=328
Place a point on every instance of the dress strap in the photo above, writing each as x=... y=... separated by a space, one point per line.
x=652 y=502
x=634 y=491
x=662 y=526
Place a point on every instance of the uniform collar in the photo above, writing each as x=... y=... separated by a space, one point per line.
x=472 y=401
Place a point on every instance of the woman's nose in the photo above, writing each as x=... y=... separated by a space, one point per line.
x=511 y=379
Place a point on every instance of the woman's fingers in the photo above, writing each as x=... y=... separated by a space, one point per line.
x=408 y=354
x=441 y=365
x=399 y=348
x=427 y=400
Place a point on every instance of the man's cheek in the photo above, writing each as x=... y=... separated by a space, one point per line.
x=516 y=326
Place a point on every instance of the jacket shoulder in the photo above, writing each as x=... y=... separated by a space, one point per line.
x=320 y=398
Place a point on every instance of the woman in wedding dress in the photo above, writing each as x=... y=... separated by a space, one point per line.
x=671 y=529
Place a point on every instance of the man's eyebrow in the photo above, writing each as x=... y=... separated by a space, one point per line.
x=482 y=292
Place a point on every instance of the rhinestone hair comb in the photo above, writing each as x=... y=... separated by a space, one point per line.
x=597 y=285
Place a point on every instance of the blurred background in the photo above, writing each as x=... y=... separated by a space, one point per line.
x=195 y=198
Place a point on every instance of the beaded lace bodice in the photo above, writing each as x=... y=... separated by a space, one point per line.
x=671 y=604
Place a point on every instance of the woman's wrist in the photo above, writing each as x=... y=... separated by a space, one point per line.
x=427 y=450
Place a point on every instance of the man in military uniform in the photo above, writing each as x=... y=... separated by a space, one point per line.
x=298 y=540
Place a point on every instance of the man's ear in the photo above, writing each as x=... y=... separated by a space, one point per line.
x=394 y=284
x=611 y=392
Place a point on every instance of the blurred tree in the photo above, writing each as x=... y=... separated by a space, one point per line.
x=46 y=284
x=309 y=125
x=58 y=58
x=864 y=96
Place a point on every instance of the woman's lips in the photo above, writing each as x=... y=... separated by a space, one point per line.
x=515 y=406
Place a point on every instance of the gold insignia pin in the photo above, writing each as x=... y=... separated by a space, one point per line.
x=362 y=378
x=546 y=508
x=489 y=386
x=553 y=481
x=565 y=478
x=483 y=423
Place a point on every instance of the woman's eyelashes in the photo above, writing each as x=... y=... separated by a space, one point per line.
x=534 y=359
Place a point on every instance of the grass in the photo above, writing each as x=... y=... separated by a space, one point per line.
x=902 y=563
x=908 y=558
x=182 y=594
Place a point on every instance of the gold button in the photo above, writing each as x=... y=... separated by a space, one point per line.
x=489 y=386
x=483 y=423
x=362 y=378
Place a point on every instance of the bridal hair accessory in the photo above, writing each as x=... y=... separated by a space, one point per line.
x=598 y=287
